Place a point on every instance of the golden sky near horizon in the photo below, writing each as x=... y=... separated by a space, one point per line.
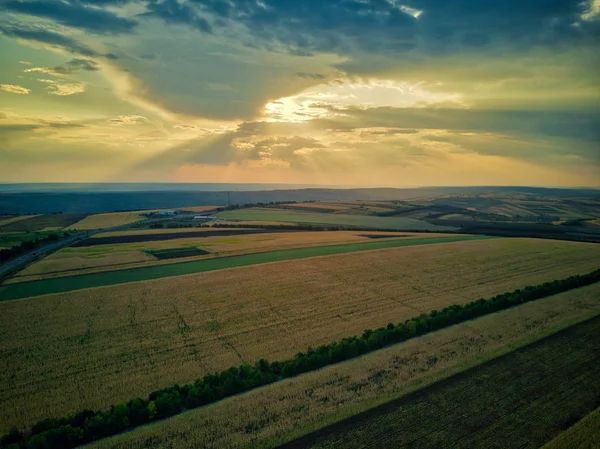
x=344 y=92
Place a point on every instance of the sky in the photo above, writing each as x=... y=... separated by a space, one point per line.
x=397 y=93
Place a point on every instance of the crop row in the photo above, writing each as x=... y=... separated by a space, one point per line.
x=88 y=425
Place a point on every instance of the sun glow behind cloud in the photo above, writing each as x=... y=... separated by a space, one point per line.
x=330 y=99
x=394 y=92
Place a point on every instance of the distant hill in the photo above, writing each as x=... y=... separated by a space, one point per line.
x=93 y=198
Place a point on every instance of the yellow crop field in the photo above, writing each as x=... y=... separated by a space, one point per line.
x=280 y=411
x=78 y=260
x=108 y=220
x=95 y=347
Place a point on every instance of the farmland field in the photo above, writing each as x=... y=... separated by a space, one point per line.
x=43 y=223
x=100 y=239
x=585 y=434
x=397 y=223
x=200 y=209
x=8 y=219
x=63 y=284
x=177 y=253
x=95 y=347
x=108 y=220
x=288 y=224
x=550 y=383
x=342 y=207
x=82 y=258
x=296 y=406
x=166 y=232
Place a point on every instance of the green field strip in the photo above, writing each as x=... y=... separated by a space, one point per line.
x=65 y=284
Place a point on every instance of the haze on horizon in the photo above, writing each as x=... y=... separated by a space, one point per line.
x=393 y=93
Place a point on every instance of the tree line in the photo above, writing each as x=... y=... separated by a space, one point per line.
x=26 y=246
x=88 y=425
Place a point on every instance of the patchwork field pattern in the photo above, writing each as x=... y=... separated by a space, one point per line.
x=396 y=223
x=121 y=255
x=95 y=347
x=279 y=412
x=43 y=223
x=16 y=290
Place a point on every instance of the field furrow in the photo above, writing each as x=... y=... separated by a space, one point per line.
x=550 y=383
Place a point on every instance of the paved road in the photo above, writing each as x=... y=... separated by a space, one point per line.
x=25 y=258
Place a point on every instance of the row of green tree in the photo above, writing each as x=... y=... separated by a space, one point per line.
x=26 y=246
x=88 y=425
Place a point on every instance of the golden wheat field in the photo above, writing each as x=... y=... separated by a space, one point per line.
x=91 y=348
x=108 y=220
x=292 y=407
x=89 y=259
x=584 y=434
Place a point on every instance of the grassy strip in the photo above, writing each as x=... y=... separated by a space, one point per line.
x=63 y=284
x=582 y=435
x=87 y=425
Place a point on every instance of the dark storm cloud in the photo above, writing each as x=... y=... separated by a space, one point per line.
x=74 y=14
x=43 y=36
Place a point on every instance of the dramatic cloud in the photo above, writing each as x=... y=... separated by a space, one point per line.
x=14 y=89
x=50 y=38
x=172 y=11
x=387 y=92
x=74 y=14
